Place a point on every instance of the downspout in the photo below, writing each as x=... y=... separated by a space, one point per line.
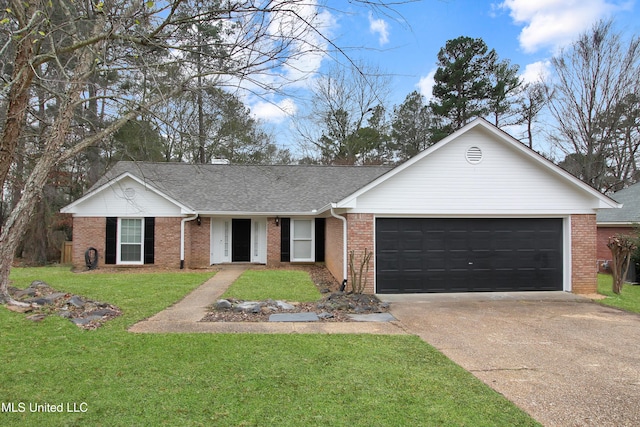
x=344 y=247
x=184 y=220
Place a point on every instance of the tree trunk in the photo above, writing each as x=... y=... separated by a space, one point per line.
x=18 y=102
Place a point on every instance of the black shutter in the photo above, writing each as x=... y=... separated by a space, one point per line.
x=320 y=239
x=285 y=240
x=111 y=240
x=149 y=240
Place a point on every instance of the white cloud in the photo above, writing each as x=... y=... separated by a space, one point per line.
x=425 y=85
x=273 y=112
x=553 y=24
x=379 y=27
x=536 y=72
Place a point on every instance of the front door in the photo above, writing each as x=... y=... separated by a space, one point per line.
x=241 y=240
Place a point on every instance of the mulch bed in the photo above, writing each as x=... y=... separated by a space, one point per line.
x=335 y=305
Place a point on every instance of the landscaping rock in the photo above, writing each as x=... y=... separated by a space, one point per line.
x=76 y=301
x=325 y=315
x=45 y=301
x=223 y=304
x=284 y=306
x=248 y=307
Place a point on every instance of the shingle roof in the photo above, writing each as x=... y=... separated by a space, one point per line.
x=630 y=211
x=250 y=188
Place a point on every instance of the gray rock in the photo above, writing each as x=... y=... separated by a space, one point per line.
x=248 y=307
x=38 y=284
x=284 y=306
x=76 y=301
x=53 y=297
x=29 y=292
x=294 y=317
x=325 y=315
x=38 y=301
x=223 y=304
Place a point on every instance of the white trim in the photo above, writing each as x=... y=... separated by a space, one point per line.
x=567 y=255
x=294 y=239
x=119 y=260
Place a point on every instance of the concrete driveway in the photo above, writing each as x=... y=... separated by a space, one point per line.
x=563 y=359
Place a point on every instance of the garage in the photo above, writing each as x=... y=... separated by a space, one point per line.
x=420 y=255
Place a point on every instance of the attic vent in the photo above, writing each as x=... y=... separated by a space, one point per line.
x=474 y=155
x=129 y=193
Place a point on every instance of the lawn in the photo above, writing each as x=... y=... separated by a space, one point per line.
x=289 y=285
x=120 y=379
x=629 y=298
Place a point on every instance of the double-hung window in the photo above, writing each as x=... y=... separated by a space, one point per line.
x=130 y=240
x=302 y=244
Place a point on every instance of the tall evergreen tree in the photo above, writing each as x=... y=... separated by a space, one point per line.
x=462 y=84
x=410 y=128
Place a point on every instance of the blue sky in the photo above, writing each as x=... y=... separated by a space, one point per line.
x=405 y=45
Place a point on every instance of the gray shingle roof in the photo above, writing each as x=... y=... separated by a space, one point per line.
x=250 y=188
x=630 y=211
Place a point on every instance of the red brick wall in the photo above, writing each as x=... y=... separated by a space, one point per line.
x=360 y=237
x=603 y=252
x=584 y=279
x=197 y=249
x=167 y=242
x=88 y=232
x=333 y=247
x=273 y=242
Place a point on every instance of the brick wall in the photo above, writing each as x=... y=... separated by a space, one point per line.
x=360 y=236
x=88 y=232
x=584 y=279
x=273 y=242
x=197 y=249
x=167 y=242
x=333 y=247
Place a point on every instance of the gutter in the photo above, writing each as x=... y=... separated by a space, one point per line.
x=344 y=245
x=184 y=220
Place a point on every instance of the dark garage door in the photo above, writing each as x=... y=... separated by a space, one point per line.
x=468 y=255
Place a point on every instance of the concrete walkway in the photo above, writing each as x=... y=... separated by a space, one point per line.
x=185 y=315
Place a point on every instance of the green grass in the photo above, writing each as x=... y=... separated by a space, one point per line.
x=224 y=380
x=629 y=298
x=288 y=285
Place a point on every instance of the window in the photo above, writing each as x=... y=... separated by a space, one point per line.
x=302 y=240
x=131 y=238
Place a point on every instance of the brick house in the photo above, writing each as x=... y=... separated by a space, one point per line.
x=478 y=211
x=622 y=221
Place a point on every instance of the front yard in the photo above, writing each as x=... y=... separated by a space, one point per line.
x=629 y=298
x=112 y=377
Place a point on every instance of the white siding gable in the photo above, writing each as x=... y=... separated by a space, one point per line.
x=125 y=197
x=506 y=181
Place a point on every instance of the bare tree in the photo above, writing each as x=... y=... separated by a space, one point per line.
x=345 y=99
x=531 y=100
x=593 y=77
x=60 y=48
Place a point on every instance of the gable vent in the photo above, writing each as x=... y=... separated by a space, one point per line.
x=474 y=155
